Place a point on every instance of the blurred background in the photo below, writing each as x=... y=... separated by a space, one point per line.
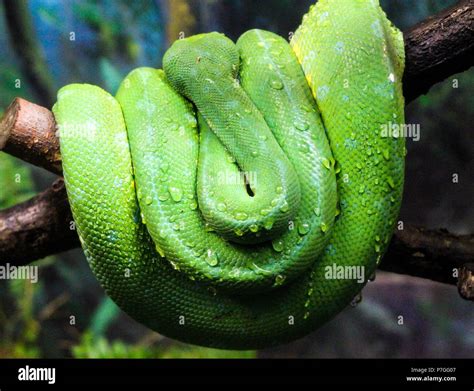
x=99 y=42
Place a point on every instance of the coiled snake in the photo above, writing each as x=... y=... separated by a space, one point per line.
x=212 y=197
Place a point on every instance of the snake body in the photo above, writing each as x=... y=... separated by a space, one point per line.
x=212 y=197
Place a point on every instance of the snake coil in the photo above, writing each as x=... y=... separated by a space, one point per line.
x=229 y=199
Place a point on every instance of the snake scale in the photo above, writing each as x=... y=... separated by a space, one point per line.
x=212 y=197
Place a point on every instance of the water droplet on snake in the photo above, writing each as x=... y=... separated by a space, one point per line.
x=304 y=147
x=302 y=125
x=268 y=225
x=279 y=280
x=277 y=245
x=284 y=207
x=326 y=163
x=303 y=228
x=324 y=227
x=241 y=216
x=211 y=258
x=253 y=228
x=174 y=265
x=276 y=84
x=176 y=193
x=160 y=251
x=163 y=197
x=148 y=200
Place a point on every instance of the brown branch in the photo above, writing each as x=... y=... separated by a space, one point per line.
x=41 y=226
x=28 y=131
x=37 y=228
x=466 y=281
x=433 y=254
x=439 y=47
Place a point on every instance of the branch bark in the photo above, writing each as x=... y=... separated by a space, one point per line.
x=466 y=281
x=28 y=131
x=41 y=226
x=439 y=47
x=433 y=254
x=37 y=228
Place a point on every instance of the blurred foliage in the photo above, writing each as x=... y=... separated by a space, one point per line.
x=185 y=22
x=15 y=181
x=90 y=347
x=99 y=42
x=16 y=296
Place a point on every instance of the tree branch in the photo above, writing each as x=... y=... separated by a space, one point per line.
x=41 y=226
x=439 y=47
x=433 y=254
x=37 y=228
x=28 y=131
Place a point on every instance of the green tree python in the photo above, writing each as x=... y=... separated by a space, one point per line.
x=212 y=197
